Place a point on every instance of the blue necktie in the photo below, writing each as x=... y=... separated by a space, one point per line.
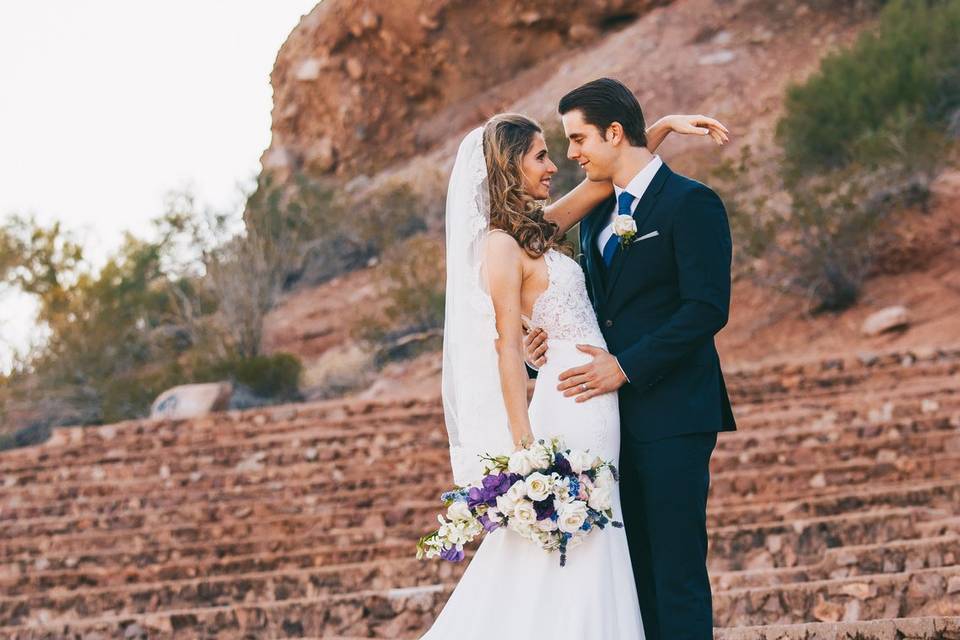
x=624 y=200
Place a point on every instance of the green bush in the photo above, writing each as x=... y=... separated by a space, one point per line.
x=275 y=376
x=864 y=136
x=410 y=282
x=908 y=68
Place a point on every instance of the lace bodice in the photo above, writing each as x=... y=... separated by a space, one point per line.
x=564 y=308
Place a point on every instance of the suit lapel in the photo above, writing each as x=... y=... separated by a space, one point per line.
x=644 y=208
x=596 y=270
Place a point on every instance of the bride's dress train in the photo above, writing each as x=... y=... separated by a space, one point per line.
x=513 y=590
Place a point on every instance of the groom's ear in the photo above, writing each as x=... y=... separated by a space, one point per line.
x=614 y=133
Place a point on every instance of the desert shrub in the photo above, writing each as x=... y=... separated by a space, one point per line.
x=907 y=69
x=156 y=311
x=863 y=137
x=410 y=284
x=275 y=376
x=360 y=224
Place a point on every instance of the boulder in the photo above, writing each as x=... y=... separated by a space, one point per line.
x=886 y=320
x=192 y=400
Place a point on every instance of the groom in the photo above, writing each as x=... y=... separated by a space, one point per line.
x=660 y=296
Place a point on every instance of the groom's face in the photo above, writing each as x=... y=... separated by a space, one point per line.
x=588 y=148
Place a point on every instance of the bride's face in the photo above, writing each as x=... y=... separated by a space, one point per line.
x=595 y=155
x=537 y=169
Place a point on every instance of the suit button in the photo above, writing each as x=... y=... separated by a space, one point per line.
x=608 y=323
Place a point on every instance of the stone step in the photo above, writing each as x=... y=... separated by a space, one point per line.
x=848 y=561
x=893 y=449
x=275 y=583
x=347 y=440
x=363 y=565
x=944 y=494
x=800 y=481
x=823 y=437
x=725 y=485
x=397 y=612
x=925 y=592
x=921 y=628
x=262 y=421
x=733 y=548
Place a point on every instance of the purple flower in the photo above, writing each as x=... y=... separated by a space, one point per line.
x=562 y=465
x=452 y=554
x=475 y=497
x=544 y=508
x=498 y=484
x=488 y=526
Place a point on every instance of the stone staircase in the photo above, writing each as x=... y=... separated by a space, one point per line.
x=835 y=513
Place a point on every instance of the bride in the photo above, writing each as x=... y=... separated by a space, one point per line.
x=508 y=269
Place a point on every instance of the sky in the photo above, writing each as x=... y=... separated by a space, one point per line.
x=108 y=105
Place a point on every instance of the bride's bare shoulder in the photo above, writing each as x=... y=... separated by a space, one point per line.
x=501 y=242
x=502 y=253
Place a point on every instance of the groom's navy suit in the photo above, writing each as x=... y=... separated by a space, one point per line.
x=659 y=304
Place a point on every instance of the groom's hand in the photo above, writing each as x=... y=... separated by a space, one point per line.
x=535 y=347
x=600 y=376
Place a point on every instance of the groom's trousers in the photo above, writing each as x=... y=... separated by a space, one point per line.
x=663 y=493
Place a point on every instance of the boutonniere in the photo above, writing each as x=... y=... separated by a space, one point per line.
x=625 y=228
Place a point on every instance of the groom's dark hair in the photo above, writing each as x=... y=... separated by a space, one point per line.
x=605 y=101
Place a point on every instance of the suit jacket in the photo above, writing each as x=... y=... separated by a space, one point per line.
x=660 y=304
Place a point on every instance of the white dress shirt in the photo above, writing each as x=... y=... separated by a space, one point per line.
x=637 y=187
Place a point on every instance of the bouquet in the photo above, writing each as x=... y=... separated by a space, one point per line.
x=547 y=493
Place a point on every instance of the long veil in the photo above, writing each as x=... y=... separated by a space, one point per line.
x=473 y=405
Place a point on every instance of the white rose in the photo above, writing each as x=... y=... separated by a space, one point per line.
x=524 y=513
x=520 y=462
x=546 y=525
x=540 y=456
x=538 y=486
x=624 y=226
x=517 y=492
x=494 y=513
x=571 y=516
x=522 y=528
x=600 y=498
x=459 y=511
x=505 y=504
x=604 y=478
x=579 y=460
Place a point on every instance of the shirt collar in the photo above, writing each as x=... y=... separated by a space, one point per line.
x=642 y=180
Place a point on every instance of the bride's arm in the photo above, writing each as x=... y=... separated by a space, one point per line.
x=504 y=263
x=575 y=205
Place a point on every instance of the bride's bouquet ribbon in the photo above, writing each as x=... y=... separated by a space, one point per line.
x=547 y=493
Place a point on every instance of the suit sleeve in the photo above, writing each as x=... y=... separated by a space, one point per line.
x=531 y=372
x=703 y=251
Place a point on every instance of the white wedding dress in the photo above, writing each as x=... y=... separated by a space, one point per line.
x=513 y=590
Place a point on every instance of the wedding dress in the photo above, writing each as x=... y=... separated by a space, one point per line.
x=512 y=589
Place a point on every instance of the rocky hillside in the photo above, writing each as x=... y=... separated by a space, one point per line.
x=730 y=58
x=361 y=85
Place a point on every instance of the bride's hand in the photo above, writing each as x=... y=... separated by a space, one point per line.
x=525 y=441
x=699 y=125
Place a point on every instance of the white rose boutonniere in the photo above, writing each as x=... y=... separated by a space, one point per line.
x=625 y=228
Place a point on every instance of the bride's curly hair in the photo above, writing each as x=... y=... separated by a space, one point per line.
x=506 y=138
